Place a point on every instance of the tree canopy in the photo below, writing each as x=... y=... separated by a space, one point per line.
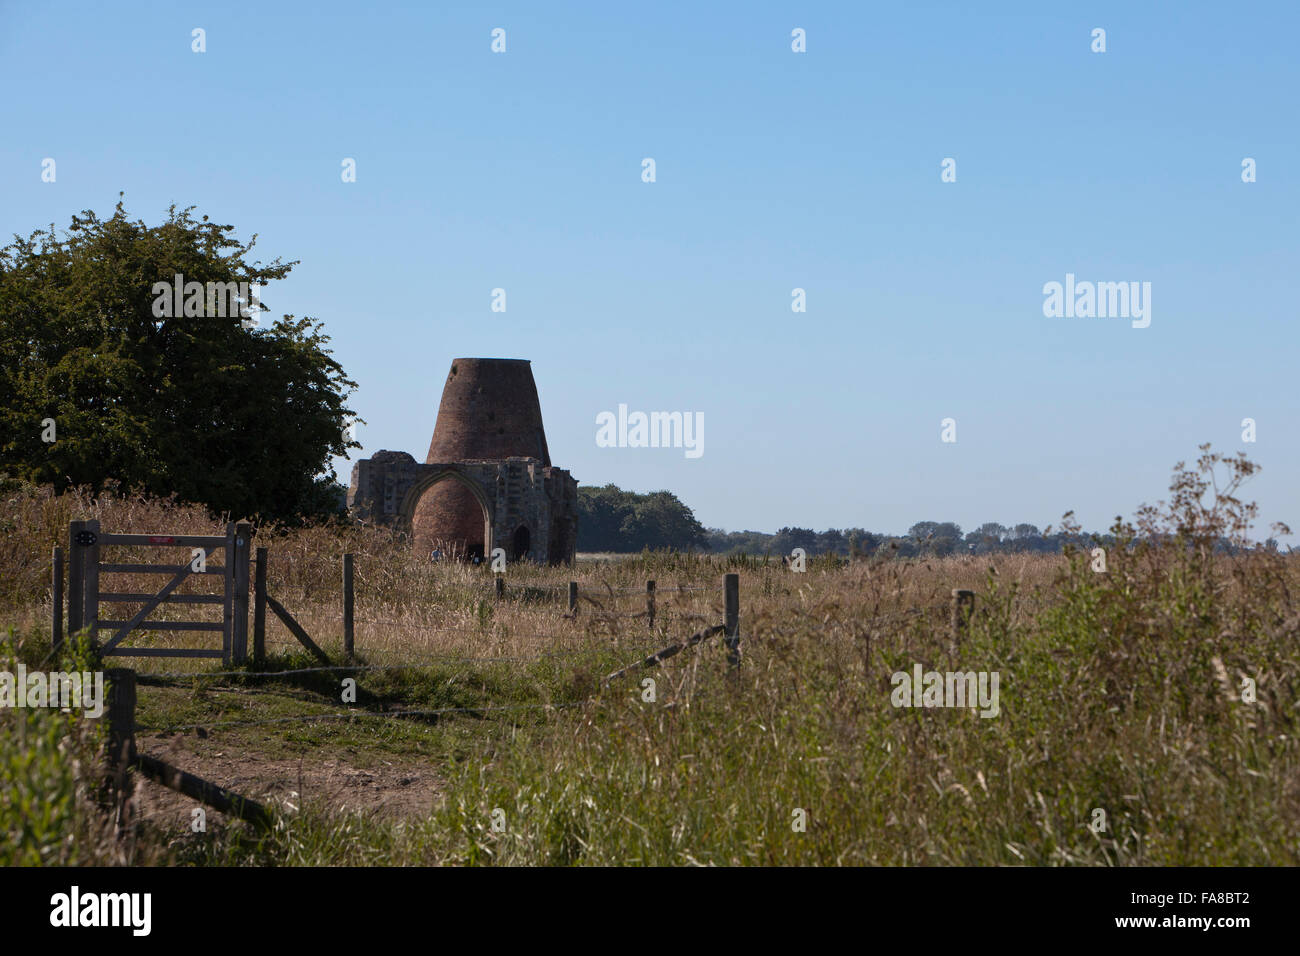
x=611 y=519
x=218 y=409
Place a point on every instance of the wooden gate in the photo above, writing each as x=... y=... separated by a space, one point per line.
x=85 y=542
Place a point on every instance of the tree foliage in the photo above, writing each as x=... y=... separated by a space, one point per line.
x=611 y=519
x=209 y=408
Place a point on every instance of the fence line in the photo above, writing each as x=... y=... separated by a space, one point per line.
x=440 y=659
x=561 y=588
x=349 y=715
x=122 y=700
x=425 y=665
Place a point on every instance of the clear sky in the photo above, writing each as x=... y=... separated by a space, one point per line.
x=775 y=170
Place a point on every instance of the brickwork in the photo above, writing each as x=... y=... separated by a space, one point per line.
x=489 y=411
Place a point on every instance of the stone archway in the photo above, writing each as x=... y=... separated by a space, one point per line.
x=412 y=499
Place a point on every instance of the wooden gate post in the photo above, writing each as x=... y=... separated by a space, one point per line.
x=56 y=629
x=731 y=590
x=650 y=602
x=76 y=577
x=239 y=624
x=259 y=608
x=228 y=597
x=90 y=580
x=348 y=606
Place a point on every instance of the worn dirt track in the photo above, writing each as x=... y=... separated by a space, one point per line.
x=386 y=789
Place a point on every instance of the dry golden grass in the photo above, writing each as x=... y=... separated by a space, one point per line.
x=1163 y=692
x=409 y=609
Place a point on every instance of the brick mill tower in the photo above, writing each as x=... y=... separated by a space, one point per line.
x=487 y=481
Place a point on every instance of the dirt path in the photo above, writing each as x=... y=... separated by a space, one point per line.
x=388 y=789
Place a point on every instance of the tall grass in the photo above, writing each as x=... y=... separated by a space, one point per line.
x=50 y=789
x=1148 y=713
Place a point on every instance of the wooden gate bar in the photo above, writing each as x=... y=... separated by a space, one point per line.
x=152 y=569
x=165 y=652
x=205 y=541
x=170 y=599
x=152 y=603
x=161 y=626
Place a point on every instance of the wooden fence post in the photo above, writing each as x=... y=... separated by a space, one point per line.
x=121 y=717
x=573 y=597
x=120 y=756
x=348 y=606
x=963 y=606
x=239 y=629
x=501 y=587
x=76 y=577
x=650 y=602
x=119 y=753
x=56 y=629
x=731 y=589
x=259 y=608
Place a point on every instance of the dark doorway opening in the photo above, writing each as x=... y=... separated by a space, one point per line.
x=521 y=543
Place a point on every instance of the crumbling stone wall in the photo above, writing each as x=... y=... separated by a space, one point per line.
x=500 y=498
x=487 y=481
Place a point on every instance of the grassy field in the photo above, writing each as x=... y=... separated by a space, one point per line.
x=1146 y=714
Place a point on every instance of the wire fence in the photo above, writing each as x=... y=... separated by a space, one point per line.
x=440 y=660
x=561 y=589
x=456 y=660
x=425 y=663
x=353 y=715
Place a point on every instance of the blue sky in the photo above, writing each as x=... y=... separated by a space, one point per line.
x=774 y=170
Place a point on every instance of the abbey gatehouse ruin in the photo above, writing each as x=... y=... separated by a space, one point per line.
x=487 y=481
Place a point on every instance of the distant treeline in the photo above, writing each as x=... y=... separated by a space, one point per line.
x=614 y=520
x=611 y=519
x=923 y=539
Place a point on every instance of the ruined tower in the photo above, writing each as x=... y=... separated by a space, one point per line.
x=489 y=410
x=487 y=481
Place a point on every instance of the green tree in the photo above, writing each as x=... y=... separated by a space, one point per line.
x=611 y=519
x=209 y=407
